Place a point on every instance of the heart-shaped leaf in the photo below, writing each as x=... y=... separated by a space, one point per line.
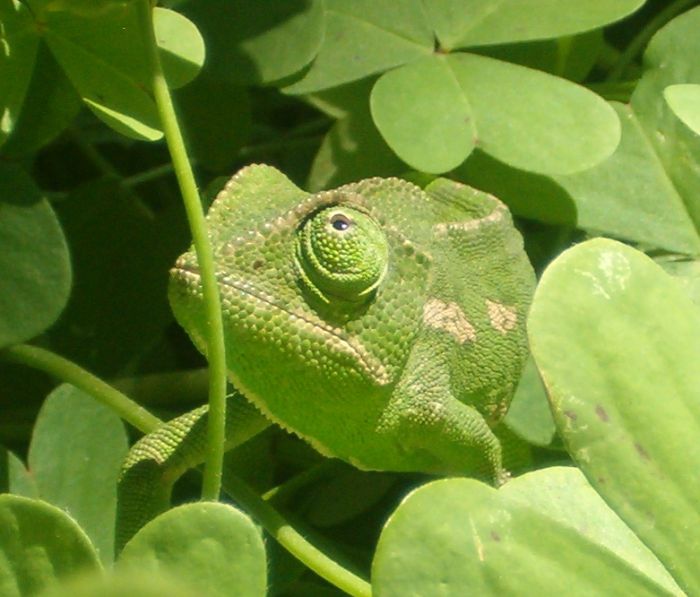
x=459 y=536
x=434 y=111
x=39 y=544
x=35 y=272
x=616 y=341
x=211 y=546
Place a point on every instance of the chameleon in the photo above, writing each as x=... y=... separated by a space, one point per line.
x=381 y=322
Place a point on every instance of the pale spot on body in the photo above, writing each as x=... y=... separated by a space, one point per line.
x=502 y=317
x=449 y=318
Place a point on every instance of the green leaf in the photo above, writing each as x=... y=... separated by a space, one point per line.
x=50 y=105
x=529 y=416
x=112 y=319
x=352 y=149
x=459 y=536
x=366 y=37
x=670 y=60
x=616 y=341
x=425 y=115
x=344 y=496
x=484 y=22
x=34 y=261
x=181 y=46
x=686 y=272
x=434 y=111
x=684 y=100
x=529 y=195
x=254 y=41
x=39 y=544
x=76 y=453
x=211 y=546
x=215 y=117
x=631 y=196
x=122 y=585
x=18 y=44
x=14 y=477
x=103 y=52
x=564 y=494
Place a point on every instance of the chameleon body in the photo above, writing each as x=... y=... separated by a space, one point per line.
x=383 y=323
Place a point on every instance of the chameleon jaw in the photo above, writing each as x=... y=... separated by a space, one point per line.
x=184 y=273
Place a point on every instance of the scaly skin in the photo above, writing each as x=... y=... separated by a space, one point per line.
x=160 y=458
x=382 y=323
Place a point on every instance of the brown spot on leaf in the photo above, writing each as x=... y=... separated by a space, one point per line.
x=602 y=413
x=570 y=414
x=495 y=536
x=641 y=451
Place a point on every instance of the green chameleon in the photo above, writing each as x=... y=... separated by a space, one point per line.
x=382 y=323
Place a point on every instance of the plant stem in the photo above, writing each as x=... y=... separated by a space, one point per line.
x=211 y=485
x=642 y=38
x=294 y=542
x=148 y=175
x=67 y=371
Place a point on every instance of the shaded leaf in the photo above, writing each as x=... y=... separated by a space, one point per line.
x=77 y=450
x=39 y=544
x=670 y=60
x=50 y=105
x=34 y=262
x=529 y=415
x=18 y=47
x=215 y=117
x=14 y=477
x=366 y=37
x=254 y=41
x=181 y=46
x=103 y=51
x=631 y=196
x=121 y=257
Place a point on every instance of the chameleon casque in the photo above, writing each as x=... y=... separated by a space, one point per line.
x=382 y=323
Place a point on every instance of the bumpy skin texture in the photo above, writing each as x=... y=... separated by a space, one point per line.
x=382 y=323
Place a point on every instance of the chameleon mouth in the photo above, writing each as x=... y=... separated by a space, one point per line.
x=335 y=337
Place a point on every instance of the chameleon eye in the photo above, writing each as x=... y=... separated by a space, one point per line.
x=341 y=253
x=340 y=222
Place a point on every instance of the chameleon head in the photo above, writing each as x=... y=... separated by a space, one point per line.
x=317 y=311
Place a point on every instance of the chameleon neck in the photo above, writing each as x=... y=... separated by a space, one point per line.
x=160 y=458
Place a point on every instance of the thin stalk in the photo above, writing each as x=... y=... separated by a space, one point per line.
x=211 y=485
x=294 y=542
x=640 y=40
x=68 y=371
x=148 y=175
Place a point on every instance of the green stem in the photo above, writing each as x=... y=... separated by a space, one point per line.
x=211 y=485
x=148 y=175
x=294 y=542
x=638 y=43
x=67 y=371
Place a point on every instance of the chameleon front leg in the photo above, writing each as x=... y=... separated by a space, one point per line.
x=442 y=434
x=160 y=458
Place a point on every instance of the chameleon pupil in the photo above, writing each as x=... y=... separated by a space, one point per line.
x=340 y=222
